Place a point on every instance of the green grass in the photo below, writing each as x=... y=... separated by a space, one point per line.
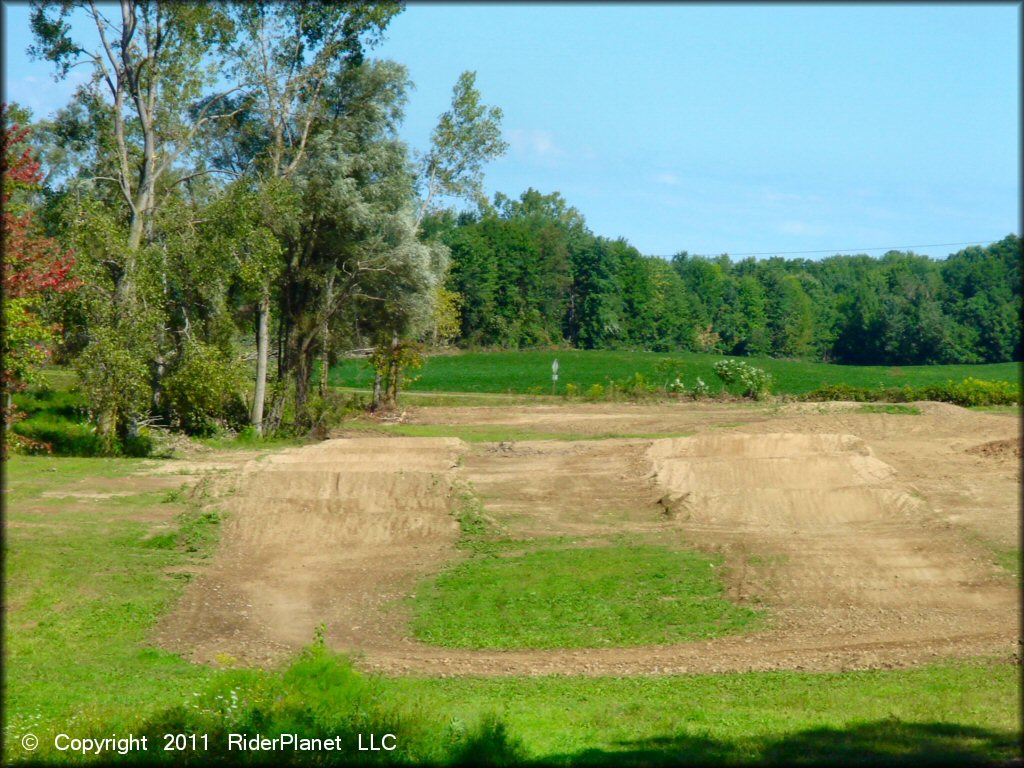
x=483 y=433
x=594 y=597
x=956 y=712
x=523 y=371
x=1009 y=559
x=85 y=580
x=893 y=408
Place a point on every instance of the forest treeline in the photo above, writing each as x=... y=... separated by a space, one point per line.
x=529 y=272
x=225 y=207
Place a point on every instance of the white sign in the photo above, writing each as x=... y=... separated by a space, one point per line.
x=554 y=368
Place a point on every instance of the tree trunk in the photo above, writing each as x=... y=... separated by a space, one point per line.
x=326 y=333
x=273 y=421
x=107 y=428
x=391 y=395
x=324 y=362
x=375 y=406
x=262 y=354
x=303 y=375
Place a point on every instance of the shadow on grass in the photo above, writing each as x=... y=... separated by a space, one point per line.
x=884 y=742
x=881 y=743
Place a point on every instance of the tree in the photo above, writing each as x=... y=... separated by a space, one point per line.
x=467 y=136
x=302 y=64
x=35 y=267
x=149 y=68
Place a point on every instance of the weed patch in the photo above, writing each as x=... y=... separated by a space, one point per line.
x=891 y=408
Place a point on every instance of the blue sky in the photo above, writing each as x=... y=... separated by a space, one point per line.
x=722 y=128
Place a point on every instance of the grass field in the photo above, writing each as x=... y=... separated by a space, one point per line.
x=530 y=372
x=544 y=596
x=946 y=713
x=95 y=556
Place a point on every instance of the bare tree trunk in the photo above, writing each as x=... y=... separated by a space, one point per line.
x=107 y=427
x=326 y=333
x=262 y=353
x=276 y=415
x=375 y=406
x=303 y=374
x=324 y=361
x=391 y=395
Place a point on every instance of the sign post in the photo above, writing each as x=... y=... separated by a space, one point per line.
x=554 y=377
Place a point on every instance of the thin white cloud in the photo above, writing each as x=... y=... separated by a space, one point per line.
x=667 y=178
x=533 y=143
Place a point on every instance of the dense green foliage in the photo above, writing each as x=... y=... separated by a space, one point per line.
x=530 y=273
x=240 y=204
x=969 y=392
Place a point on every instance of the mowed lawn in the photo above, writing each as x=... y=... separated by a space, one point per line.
x=530 y=371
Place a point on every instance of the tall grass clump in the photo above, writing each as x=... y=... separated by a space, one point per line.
x=320 y=696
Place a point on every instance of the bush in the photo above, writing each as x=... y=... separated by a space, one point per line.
x=328 y=410
x=635 y=387
x=700 y=389
x=670 y=371
x=844 y=392
x=54 y=434
x=755 y=382
x=203 y=391
x=968 y=392
x=972 y=391
x=595 y=392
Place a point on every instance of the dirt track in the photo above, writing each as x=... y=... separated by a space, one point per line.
x=866 y=535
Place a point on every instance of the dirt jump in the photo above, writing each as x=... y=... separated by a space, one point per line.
x=868 y=537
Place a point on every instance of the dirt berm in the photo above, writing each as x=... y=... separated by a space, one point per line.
x=868 y=537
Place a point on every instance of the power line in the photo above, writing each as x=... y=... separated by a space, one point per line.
x=858 y=250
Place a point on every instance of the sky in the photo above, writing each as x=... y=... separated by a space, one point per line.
x=803 y=130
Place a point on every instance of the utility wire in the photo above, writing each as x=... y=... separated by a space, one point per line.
x=858 y=250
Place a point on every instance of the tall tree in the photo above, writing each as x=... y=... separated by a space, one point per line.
x=149 y=67
x=467 y=136
x=297 y=61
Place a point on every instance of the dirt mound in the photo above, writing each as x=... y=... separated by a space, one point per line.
x=323 y=534
x=848 y=526
x=843 y=534
x=998 y=449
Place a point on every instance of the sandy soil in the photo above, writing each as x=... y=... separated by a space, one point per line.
x=867 y=536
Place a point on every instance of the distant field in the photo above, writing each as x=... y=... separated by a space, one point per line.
x=525 y=372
